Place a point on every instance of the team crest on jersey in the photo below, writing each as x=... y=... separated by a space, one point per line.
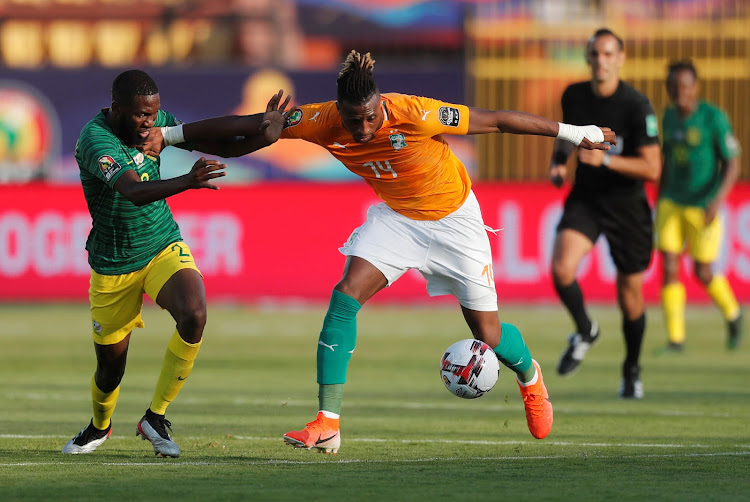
x=108 y=166
x=693 y=136
x=449 y=116
x=138 y=158
x=397 y=141
x=294 y=118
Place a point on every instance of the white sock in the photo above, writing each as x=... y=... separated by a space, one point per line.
x=530 y=382
x=329 y=414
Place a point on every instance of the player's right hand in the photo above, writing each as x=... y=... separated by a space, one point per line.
x=557 y=174
x=610 y=138
x=275 y=117
x=203 y=172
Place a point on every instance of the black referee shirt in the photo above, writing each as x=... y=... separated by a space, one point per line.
x=630 y=115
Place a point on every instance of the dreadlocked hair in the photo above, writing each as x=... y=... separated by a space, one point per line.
x=355 y=83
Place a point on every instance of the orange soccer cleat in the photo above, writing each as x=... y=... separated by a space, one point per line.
x=322 y=434
x=538 y=406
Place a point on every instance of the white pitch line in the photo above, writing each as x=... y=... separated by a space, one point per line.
x=423 y=441
x=169 y=463
x=488 y=408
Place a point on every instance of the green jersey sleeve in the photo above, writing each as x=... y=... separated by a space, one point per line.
x=105 y=158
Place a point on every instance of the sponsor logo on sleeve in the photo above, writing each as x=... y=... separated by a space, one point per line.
x=652 y=125
x=294 y=119
x=449 y=116
x=108 y=166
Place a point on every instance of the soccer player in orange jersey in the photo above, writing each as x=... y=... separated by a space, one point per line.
x=430 y=220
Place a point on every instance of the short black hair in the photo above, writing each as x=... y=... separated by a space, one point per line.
x=131 y=83
x=355 y=83
x=606 y=31
x=683 y=65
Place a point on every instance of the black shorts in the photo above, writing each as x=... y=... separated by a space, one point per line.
x=626 y=222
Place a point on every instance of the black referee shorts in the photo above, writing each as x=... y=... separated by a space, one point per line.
x=626 y=222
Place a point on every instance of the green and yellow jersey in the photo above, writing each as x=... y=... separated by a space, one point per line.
x=123 y=237
x=694 y=149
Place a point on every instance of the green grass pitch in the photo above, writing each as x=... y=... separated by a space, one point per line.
x=404 y=436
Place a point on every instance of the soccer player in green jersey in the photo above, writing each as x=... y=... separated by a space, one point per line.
x=135 y=246
x=700 y=168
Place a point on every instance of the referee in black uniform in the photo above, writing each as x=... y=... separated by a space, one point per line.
x=607 y=199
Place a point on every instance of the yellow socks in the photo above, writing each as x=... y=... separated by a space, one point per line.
x=721 y=293
x=104 y=405
x=673 y=303
x=177 y=365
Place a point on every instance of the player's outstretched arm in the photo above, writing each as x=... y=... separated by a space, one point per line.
x=730 y=171
x=590 y=137
x=141 y=193
x=227 y=136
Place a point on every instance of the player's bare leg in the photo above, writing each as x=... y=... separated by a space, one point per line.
x=184 y=297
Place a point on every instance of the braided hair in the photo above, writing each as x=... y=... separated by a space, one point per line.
x=355 y=83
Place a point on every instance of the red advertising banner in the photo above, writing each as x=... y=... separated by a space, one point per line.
x=279 y=242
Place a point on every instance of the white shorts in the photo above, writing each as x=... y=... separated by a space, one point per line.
x=452 y=253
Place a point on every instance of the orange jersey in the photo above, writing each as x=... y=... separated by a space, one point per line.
x=407 y=162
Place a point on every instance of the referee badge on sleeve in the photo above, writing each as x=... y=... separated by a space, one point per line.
x=652 y=125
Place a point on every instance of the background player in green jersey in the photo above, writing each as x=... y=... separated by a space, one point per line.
x=700 y=168
x=135 y=246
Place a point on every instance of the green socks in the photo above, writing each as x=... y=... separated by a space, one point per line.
x=335 y=347
x=513 y=353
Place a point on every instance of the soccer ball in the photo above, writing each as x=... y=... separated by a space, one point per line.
x=469 y=368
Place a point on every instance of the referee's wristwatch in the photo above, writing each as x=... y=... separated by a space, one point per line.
x=606 y=160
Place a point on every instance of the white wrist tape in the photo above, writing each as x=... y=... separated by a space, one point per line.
x=575 y=134
x=172 y=135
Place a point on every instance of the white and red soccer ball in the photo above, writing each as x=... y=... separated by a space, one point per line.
x=469 y=368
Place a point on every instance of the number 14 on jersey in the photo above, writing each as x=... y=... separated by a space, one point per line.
x=378 y=167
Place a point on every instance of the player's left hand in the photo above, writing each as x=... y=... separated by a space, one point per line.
x=710 y=213
x=591 y=157
x=275 y=117
x=610 y=138
x=154 y=143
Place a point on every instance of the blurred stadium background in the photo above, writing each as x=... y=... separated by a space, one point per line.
x=272 y=233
